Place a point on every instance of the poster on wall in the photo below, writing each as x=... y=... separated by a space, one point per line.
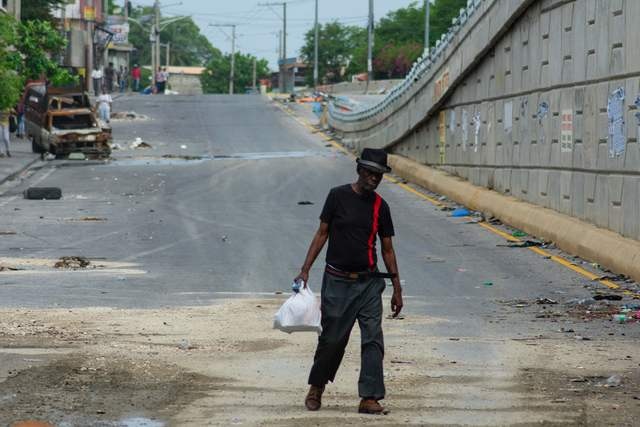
x=477 y=122
x=566 y=131
x=442 y=129
x=508 y=116
x=615 y=112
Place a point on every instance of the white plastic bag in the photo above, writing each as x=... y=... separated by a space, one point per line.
x=300 y=313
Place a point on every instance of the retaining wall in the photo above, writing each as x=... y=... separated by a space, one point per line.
x=539 y=103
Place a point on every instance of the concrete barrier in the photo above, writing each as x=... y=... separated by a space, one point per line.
x=592 y=243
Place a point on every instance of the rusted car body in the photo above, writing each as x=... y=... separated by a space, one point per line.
x=60 y=121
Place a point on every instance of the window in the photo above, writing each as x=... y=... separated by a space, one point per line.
x=4 y=4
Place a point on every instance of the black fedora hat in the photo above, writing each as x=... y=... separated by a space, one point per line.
x=374 y=159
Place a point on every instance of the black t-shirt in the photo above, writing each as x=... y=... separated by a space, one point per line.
x=352 y=228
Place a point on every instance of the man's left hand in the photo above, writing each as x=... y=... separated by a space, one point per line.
x=396 y=302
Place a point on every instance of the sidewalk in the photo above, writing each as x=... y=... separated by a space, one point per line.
x=21 y=158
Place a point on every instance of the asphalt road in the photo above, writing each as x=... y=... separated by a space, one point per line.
x=212 y=211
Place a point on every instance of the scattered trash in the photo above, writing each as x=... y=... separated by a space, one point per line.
x=581 y=338
x=43 y=193
x=567 y=331
x=72 y=262
x=546 y=301
x=184 y=344
x=581 y=302
x=50 y=157
x=522 y=244
x=127 y=115
x=7 y=233
x=519 y=233
x=139 y=144
x=433 y=259
x=92 y=218
x=184 y=147
x=447 y=208
x=223 y=238
x=460 y=212
x=488 y=283
x=116 y=146
x=402 y=362
x=5 y=268
x=77 y=156
x=607 y=297
x=620 y=318
x=613 y=381
x=305 y=202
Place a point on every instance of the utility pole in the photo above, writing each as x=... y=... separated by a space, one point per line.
x=255 y=73
x=90 y=47
x=427 y=6
x=370 y=48
x=315 y=53
x=157 y=50
x=283 y=57
x=233 y=54
x=168 y=46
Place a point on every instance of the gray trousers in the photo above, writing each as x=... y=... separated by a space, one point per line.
x=4 y=136
x=342 y=303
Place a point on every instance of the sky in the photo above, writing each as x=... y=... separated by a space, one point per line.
x=258 y=26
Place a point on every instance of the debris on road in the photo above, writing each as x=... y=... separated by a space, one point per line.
x=183 y=146
x=7 y=233
x=128 y=115
x=523 y=244
x=139 y=144
x=305 y=202
x=488 y=283
x=5 y=268
x=460 y=212
x=76 y=156
x=175 y=156
x=519 y=233
x=92 y=218
x=607 y=297
x=43 y=193
x=546 y=301
x=72 y=262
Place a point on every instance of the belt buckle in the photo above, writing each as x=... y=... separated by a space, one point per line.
x=354 y=276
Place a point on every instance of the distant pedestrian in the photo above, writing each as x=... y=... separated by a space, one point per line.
x=5 y=116
x=96 y=75
x=20 y=113
x=136 y=74
x=109 y=76
x=124 y=75
x=103 y=105
x=352 y=219
x=161 y=81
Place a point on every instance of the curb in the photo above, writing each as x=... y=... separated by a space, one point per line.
x=607 y=248
x=13 y=175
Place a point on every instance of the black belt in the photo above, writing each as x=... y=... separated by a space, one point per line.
x=358 y=275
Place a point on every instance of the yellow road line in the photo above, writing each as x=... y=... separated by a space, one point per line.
x=591 y=276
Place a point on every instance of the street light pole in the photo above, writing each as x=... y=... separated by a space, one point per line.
x=427 y=6
x=233 y=54
x=283 y=58
x=157 y=38
x=370 y=48
x=315 y=53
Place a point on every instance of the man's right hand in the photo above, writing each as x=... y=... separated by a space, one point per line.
x=304 y=276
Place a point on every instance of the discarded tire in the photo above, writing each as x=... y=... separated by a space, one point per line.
x=43 y=193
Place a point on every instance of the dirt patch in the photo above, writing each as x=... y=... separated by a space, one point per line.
x=73 y=262
x=97 y=390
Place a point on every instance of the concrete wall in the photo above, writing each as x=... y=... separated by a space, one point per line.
x=346 y=88
x=518 y=56
x=185 y=84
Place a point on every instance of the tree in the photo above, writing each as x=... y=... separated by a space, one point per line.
x=39 y=10
x=26 y=50
x=188 y=46
x=399 y=39
x=215 y=78
x=337 y=44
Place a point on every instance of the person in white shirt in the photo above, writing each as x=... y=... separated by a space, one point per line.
x=103 y=105
x=96 y=75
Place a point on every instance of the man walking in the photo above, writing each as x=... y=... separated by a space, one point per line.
x=135 y=76
x=96 y=75
x=352 y=217
x=5 y=115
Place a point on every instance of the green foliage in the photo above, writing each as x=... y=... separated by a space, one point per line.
x=188 y=46
x=31 y=10
x=399 y=41
x=10 y=80
x=215 y=78
x=37 y=42
x=337 y=46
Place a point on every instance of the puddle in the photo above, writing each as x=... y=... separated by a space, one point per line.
x=172 y=160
